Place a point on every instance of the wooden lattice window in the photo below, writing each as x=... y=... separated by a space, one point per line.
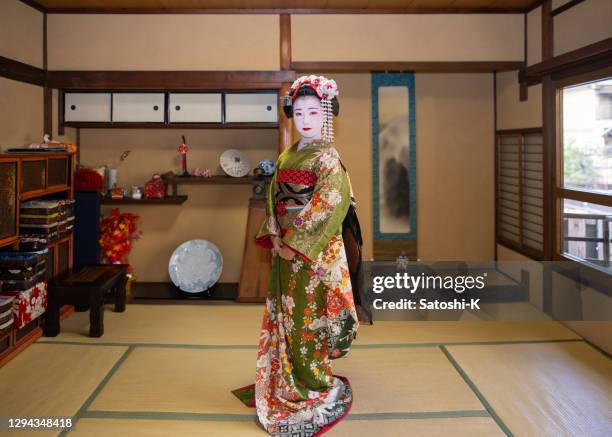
x=519 y=191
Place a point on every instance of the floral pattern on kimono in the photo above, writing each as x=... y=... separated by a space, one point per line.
x=309 y=318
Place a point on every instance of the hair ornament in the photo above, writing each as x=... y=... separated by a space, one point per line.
x=325 y=88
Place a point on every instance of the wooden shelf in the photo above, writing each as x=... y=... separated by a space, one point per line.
x=169 y=200
x=129 y=125
x=172 y=178
x=39 y=193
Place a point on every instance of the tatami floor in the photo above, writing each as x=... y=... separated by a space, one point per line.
x=167 y=370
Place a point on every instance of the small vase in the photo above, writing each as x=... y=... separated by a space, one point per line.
x=111 y=180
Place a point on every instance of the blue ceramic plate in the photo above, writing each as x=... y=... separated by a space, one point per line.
x=195 y=266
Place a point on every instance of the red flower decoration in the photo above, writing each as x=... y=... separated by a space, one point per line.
x=86 y=179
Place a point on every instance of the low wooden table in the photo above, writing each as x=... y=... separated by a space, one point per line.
x=86 y=287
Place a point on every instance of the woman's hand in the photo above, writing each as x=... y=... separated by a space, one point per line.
x=286 y=253
x=281 y=250
x=277 y=243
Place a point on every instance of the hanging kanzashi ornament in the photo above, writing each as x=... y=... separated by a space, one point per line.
x=182 y=149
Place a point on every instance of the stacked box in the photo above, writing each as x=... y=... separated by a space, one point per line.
x=28 y=304
x=7 y=318
x=45 y=221
x=66 y=217
x=22 y=275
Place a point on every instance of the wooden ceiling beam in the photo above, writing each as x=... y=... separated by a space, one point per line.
x=417 y=67
x=35 y=5
x=400 y=10
x=598 y=54
x=169 y=79
x=16 y=70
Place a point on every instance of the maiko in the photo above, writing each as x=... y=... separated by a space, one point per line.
x=455 y=304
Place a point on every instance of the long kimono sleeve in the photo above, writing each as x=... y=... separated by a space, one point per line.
x=322 y=217
x=270 y=227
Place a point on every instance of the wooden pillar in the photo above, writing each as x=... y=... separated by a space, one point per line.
x=549 y=121
x=285 y=129
x=47 y=91
x=285 y=42
x=256 y=262
x=547 y=31
x=284 y=124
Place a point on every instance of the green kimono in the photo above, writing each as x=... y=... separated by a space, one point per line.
x=310 y=317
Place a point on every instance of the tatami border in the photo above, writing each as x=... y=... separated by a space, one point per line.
x=83 y=412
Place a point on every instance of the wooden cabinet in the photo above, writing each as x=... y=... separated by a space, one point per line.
x=44 y=174
x=170 y=109
x=251 y=107
x=23 y=177
x=9 y=210
x=87 y=107
x=57 y=171
x=139 y=107
x=195 y=108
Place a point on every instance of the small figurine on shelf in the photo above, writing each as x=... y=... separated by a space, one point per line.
x=182 y=149
x=136 y=192
x=155 y=188
x=203 y=173
x=117 y=193
x=402 y=261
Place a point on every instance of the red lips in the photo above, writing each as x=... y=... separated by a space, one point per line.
x=307 y=128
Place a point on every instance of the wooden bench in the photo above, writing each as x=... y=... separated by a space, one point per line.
x=86 y=287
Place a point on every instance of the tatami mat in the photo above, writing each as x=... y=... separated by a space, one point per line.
x=175 y=324
x=164 y=428
x=406 y=378
x=174 y=366
x=455 y=427
x=179 y=380
x=463 y=331
x=548 y=389
x=240 y=324
x=53 y=380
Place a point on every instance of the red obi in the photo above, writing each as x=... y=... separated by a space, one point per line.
x=294 y=176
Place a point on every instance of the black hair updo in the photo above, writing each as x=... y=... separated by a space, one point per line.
x=307 y=90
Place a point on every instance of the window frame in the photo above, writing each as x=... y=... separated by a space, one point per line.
x=594 y=275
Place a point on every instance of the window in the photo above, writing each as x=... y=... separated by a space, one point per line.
x=585 y=192
x=519 y=191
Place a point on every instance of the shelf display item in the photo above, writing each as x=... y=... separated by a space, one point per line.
x=22 y=270
x=117 y=193
x=203 y=173
x=195 y=266
x=40 y=207
x=182 y=149
x=88 y=179
x=155 y=188
x=28 y=304
x=235 y=163
x=136 y=192
x=267 y=165
x=7 y=318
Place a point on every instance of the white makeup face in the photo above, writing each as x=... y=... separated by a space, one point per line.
x=308 y=116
